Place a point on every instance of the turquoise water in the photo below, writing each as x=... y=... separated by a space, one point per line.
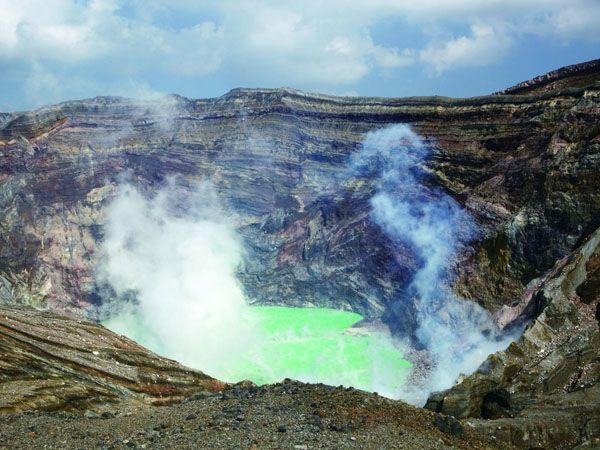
x=307 y=344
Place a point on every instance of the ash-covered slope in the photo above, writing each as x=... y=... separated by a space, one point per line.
x=525 y=166
x=285 y=415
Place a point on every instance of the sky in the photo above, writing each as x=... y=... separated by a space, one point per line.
x=57 y=50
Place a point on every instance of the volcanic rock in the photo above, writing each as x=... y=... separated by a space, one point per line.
x=544 y=389
x=50 y=362
x=525 y=164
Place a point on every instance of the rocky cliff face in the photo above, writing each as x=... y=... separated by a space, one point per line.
x=525 y=166
x=524 y=163
x=544 y=390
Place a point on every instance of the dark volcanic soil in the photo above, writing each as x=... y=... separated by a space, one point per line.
x=290 y=415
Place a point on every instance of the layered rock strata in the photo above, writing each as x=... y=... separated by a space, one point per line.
x=49 y=362
x=524 y=164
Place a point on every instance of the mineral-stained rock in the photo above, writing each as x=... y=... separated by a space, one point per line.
x=544 y=390
x=525 y=165
x=49 y=362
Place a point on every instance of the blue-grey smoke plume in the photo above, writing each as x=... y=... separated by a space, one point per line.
x=456 y=333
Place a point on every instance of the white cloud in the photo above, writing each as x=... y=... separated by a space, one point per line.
x=41 y=83
x=571 y=22
x=93 y=46
x=76 y=32
x=304 y=43
x=485 y=45
x=389 y=57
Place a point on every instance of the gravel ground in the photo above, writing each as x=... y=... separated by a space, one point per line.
x=289 y=415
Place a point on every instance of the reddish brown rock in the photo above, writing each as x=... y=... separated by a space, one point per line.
x=49 y=362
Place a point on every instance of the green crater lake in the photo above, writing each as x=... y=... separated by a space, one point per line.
x=307 y=344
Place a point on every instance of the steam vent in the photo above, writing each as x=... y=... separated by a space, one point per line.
x=274 y=268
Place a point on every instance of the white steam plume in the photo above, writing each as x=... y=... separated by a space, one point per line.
x=172 y=260
x=171 y=263
x=177 y=253
x=456 y=333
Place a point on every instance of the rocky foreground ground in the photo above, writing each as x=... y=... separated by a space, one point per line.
x=91 y=388
x=290 y=415
x=69 y=383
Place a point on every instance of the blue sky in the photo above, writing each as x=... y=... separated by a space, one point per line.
x=55 y=50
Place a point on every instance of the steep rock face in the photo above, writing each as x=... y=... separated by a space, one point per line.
x=575 y=75
x=544 y=390
x=49 y=362
x=525 y=166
